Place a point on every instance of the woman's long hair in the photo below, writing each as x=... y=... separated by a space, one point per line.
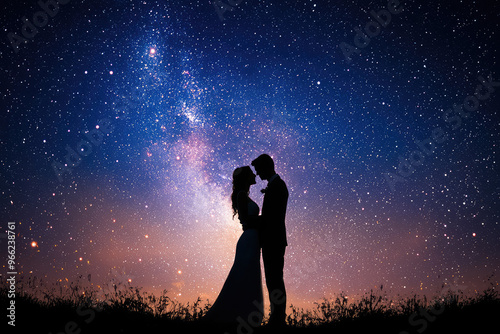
x=240 y=183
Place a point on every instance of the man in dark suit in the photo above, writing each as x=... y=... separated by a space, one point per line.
x=273 y=236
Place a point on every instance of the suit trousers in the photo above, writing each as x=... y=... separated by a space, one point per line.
x=274 y=260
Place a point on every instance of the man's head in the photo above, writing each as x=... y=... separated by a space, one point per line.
x=264 y=166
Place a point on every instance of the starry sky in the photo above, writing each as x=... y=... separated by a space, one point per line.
x=122 y=122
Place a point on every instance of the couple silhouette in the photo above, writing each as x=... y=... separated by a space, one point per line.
x=241 y=300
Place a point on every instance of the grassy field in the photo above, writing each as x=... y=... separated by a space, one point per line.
x=126 y=309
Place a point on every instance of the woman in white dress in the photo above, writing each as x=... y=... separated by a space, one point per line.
x=241 y=299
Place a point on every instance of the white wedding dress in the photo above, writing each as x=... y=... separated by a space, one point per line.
x=241 y=295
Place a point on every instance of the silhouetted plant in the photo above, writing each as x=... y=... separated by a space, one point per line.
x=124 y=299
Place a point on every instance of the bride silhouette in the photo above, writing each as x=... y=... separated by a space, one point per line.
x=241 y=299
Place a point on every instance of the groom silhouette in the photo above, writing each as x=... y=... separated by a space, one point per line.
x=272 y=235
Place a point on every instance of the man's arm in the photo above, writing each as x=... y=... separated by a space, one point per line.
x=278 y=202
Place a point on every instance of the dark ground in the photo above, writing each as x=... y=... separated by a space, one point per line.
x=129 y=313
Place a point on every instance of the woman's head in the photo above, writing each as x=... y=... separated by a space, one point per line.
x=243 y=178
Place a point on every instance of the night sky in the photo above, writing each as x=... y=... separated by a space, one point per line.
x=122 y=122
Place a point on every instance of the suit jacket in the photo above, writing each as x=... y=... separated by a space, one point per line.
x=273 y=230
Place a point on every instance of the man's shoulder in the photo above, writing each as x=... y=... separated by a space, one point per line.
x=278 y=183
x=274 y=180
x=280 y=180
